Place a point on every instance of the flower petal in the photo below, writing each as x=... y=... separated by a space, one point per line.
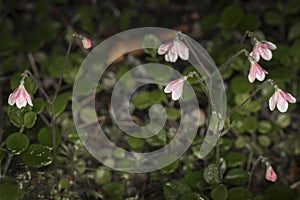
x=266 y=54
x=11 y=99
x=254 y=55
x=163 y=48
x=176 y=94
x=271 y=45
x=172 y=56
x=273 y=101
x=282 y=104
x=290 y=98
x=21 y=102
x=183 y=51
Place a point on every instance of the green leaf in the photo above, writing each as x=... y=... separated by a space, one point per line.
x=240 y=84
x=81 y=166
x=250 y=124
x=173 y=113
x=159 y=139
x=145 y=99
x=151 y=40
x=283 y=120
x=171 y=167
x=87 y=114
x=15 y=116
x=30 y=86
x=29 y=119
x=10 y=192
x=60 y=103
x=250 y=22
x=37 y=156
x=242 y=142
x=236 y=176
x=211 y=175
x=264 y=126
x=219 y=193
x=135 y=142
x=234 y=159
x=273 y=18
x=231 y=16
x=45 y=137
x=209 y=21
x=38 y=105
x=279 y=192
x=191 y=196
x=294 y=31
x=102 y=175
x=114 y=189
x=193 y=178
x=264 y=140
x=17 y=143
x=175 y=189
x=239 y=193
x=63 y=183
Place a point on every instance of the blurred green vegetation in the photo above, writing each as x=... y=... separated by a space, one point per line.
x=34 y=35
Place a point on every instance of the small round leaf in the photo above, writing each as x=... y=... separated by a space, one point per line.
x=17 y=143
x=29 y=119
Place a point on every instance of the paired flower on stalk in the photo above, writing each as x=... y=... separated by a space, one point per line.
x=260 y=49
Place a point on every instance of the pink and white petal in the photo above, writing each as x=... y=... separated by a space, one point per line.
x=272 y=102
x=266 y=54
x=167 y=58
x=29 y=101
x=251 y=77
x=271 y=45
x=255 y=56
x=172 y=56
x=11 y=99
x=183 y=51
x=21 y=102
x=86 y=43
x=290 y=98
x=171 y=86
x=164 y=48
x=282 y=105
x=260 y=76
x=176 y=94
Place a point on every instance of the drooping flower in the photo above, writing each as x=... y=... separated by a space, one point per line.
x=20 y=97
x=256 y=72
x=270 y=173
x=175 y=87
x=173 y=49
x=86 y=42
x=263 y=49
x=280 y=99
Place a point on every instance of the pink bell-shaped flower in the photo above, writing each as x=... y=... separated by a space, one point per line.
x=20 y=97
x=280 y=99
x=175 y=87
x=174 y=49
